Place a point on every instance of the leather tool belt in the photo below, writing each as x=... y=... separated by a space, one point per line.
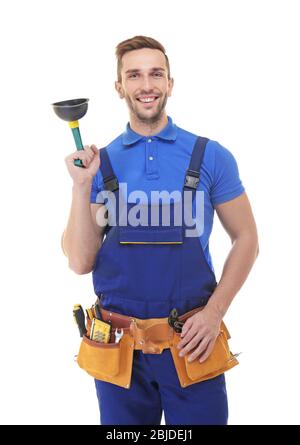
x=112 y=362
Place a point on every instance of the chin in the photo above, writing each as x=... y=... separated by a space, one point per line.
x=149 y=118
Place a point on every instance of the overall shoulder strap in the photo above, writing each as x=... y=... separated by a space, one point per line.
x=109 y=178
x=192 y=176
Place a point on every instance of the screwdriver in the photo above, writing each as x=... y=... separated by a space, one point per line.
x=80 y=319
x=97 y=312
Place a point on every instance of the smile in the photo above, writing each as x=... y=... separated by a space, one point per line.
x=147 y=99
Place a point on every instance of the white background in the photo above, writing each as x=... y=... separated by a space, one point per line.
x=236 y=70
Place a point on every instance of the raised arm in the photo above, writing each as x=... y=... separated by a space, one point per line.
x=84 y=232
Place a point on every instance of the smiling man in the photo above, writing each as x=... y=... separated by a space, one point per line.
x=146 y=101
x=157 y=360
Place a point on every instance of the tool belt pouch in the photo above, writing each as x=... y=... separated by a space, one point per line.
x=220 y=360
x=110 y=362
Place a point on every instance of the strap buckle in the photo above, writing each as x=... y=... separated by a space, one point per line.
x=111 y=183
x=192 y=179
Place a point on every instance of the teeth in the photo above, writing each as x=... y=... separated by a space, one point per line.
x=147 y=99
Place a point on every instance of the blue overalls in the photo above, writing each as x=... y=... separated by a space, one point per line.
x=145 y=272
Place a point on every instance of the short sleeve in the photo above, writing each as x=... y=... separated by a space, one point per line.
x=226 y=180
x=97 y=187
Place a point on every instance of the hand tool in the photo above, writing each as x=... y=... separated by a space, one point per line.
x=100 y=331
x=89 y=314
x=71 y=111
x=79 y=319
x=97 y=312
x=118 y=335
x=174 y=322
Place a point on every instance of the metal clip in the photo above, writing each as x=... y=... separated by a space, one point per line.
x=174 y=322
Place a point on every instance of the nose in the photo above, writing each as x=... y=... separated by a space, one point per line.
x=146 y=84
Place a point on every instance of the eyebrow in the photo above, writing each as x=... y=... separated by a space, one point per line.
x=137 y=70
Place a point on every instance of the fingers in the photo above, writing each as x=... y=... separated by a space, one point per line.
x=94 y=149
x=187 y=338
x=96 y=159
x=207 y=352
x=86 y=155
x=191 y=344
x=189 y=330
x=200 y=349
x=187 y=325
x=195 y=339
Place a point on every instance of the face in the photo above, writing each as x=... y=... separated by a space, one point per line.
x=145 y=85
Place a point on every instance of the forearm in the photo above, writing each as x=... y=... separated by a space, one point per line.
x=81 y=241
x=236 y=269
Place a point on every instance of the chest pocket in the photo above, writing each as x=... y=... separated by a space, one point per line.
x=150 y=235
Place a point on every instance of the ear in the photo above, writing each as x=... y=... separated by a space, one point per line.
x=170 y=86
x=119 y=89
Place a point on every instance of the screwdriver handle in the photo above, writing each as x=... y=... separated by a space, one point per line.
x=80 y=320
x=97 y=312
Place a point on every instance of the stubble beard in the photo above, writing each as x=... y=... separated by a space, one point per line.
x=143 y=118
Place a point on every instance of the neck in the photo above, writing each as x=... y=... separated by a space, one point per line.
x=148 y=129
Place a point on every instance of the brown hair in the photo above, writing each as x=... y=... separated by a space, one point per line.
x=138 y=42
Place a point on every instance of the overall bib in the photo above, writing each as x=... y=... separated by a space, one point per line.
x=145 y=271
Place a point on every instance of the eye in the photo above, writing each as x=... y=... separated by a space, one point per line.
x=133 y=75
x=158 y=74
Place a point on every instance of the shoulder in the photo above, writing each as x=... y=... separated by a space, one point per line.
x=219 y=168
x=215 y=153
x=219 y=152
x=115 y=145
x=222 y=165
x=185 y=140
x=218 y=157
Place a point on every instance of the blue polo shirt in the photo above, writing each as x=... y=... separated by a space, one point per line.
x=159 y=162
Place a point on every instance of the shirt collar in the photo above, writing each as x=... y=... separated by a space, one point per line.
x=169 y=133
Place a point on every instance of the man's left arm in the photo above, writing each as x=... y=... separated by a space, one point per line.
x=201 y=330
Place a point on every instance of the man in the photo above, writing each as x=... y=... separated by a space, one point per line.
x=145 y=273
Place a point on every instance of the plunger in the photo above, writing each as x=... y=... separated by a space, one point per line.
x=71 y=111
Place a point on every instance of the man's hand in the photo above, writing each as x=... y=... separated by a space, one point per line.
x=90 y=159
x=200 y=331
